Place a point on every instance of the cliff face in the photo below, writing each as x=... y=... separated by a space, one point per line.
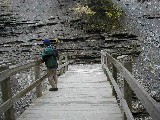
x=145 y=23
x=25 y=23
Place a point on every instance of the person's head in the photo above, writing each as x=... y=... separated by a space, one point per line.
x=46 y=42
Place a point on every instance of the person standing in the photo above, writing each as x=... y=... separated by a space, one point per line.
x=49 y=56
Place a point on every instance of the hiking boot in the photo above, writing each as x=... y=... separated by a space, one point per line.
x=53 y=89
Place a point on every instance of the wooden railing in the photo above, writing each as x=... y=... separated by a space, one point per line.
x=5 y=74
x=111 y=66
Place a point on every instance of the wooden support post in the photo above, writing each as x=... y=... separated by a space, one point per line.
x=101 y=59
x=103 y=62
x=60 y=63
x=114 y=73
x=107 y=63
x=37 y=76
x=7 y=94
x=66 y=60
x=127 y=90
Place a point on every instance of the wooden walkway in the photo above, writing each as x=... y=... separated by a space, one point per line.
x=84 y=94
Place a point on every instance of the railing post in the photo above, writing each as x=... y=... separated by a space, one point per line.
x=66 y=60
x=101 y=57
x=7 y=94
x=127 y=90
x=102 y=60
x=107 y=63
x=37 y=76
x=114 y=73
x=60 y=63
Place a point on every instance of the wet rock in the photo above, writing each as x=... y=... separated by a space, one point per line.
x=24 y=23
x=26 y=45
x=1 y=51
x=76 y=20
x=51 y=23
x=73 y=39
x=62 y=22
x=26 y=50
x=39 y=25
x=15 y=42
x=5 y=14
x=123 y=35
x=157 y=16
x=113 y=40
x=51 y=18
x=33 y=40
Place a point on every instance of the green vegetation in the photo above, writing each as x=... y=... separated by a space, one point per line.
x=83 y=9
x=101 y=15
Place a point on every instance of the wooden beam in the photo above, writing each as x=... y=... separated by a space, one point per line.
x=6 y=105
x=106 y=71
x=60 y=63
x=66 y=61
x=37 y=76
x=119 y=94
x=127 y=89
x=114 y=73
x=152 y=107
x=10 y=72
x=7 y=94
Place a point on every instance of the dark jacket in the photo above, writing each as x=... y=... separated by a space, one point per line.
x=49 y=56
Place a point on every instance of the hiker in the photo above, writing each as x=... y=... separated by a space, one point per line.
x=49 y=56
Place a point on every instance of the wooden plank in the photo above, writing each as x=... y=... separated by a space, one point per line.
x=88 y=97
x=107 y=61
x=37 y=76
x=60 y=63
x=152 y=107
x=114 y=73
x=66 y=60
x=103 y=53
x=119 y=94
x=102 y=61
x=6 y=105
x=127 y=89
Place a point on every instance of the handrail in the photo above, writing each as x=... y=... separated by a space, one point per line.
x=152 y=107
x=120 y=96
x=10 y=72
x=6 y=74
x=6 y=105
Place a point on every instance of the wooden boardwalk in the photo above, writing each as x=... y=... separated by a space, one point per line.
x=84 y=94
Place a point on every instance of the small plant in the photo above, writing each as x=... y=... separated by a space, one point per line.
x=114 y=11
x=83 y=9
